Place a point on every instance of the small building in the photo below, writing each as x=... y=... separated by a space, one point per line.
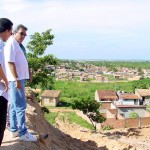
x=134 y=78
x=125 y=110
x=106 y=97
x=101 y=78
x=50 y=98
x=144 y=95
x=128 y=103
x=117 y=76
x=83 y=78
x=128 y=99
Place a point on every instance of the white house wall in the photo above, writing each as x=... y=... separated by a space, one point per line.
x=126 y=111
x=128 y=102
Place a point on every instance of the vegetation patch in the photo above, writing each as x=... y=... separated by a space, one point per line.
x=51 y=117
x=77 y=90
x=72 y=118
x=44 y=110
x=107 y=127
x=133 y=115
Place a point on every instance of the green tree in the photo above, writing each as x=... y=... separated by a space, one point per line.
x=39 y=42
x=73 y=65
x=133 y=115
x=91 y=109
x=81 y=69
x=140 y=71
x=37 y=62
x=141 y=84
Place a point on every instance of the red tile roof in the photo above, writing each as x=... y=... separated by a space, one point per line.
x=128 y=96
x=130 y=106
x=143 y=92
x=50 y=93
x=107 y=94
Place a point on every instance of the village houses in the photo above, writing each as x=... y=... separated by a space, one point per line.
x=120 y=104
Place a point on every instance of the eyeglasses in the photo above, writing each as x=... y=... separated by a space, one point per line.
x=22 y=34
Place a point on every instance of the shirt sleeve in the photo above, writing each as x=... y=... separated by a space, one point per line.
x=9 y=52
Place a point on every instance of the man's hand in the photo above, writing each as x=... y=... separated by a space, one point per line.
x=3 y=79
x=5 y=82
x=18 y=85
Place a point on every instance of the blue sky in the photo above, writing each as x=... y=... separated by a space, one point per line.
x=87 y=29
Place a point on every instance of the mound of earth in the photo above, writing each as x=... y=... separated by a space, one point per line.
x=65 y=136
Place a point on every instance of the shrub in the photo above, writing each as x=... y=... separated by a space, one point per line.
x=107 y=127
x=51 y=117
x=133 y=115
x=45 y=110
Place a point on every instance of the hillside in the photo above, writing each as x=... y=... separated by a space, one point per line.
x=56 y=140
x=66 y=136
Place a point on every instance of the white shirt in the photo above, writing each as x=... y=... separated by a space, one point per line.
x=1 y=49
x=2 y=87
x=13 y=53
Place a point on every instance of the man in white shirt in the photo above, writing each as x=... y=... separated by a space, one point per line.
x=17 y=72
x=5 y=32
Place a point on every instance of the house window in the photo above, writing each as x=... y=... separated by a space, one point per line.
x=46 y=101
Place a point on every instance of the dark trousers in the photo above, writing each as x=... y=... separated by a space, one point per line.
x=3 y=114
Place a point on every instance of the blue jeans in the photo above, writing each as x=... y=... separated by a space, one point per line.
x=17 y=108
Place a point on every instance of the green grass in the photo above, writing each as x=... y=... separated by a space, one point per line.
x=76 y=90
x=90 y=79
x=73 y=118
x=110 y=77
x=76 y=78
x=128 y=64
x=70 y=90
x=51 y=117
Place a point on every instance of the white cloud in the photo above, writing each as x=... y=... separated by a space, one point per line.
x=122 y=19
x=83 y=15
x=11 y=6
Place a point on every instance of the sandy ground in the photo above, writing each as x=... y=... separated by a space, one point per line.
x=133 y=138
x=119 y=139
x=65 y=136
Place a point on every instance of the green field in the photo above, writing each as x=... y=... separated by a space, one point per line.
x=127 y=64
x=71 y=91
x=76 y=90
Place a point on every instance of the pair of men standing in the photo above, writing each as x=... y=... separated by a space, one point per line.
x=15 y=66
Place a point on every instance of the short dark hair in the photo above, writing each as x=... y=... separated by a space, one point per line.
x=5 y=24
x=20 y=26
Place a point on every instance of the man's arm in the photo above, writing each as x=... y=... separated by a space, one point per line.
x=3 y=78
x=14 y=73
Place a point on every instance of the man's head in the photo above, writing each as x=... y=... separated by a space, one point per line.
x=20 y=33
x=5 y=28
